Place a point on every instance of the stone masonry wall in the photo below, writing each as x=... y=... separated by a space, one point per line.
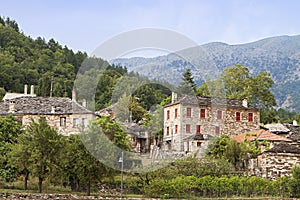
x=271 y=165
x=55 y=121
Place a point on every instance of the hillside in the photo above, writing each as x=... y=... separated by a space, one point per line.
x=53 y=68
x=24 y=60
x=278 y=55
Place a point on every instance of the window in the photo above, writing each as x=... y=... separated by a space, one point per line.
x=168 y=115
x=168 y=131
x=75 y=122
x=84 y=122
x=188 y=112
x=188 y=128
x=217 y=130
x=198 y=129
x=176 y=113
x=63 y=121
x=250 y=117
x=219 y=114
x=238 y=116
x=199 y=144
x=176 y=128
x=202 y=113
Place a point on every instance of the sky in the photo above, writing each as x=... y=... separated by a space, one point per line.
x=85 y=24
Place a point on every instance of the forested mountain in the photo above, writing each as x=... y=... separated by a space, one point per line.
x=42 y=63
x=24 y=60
x=278 y=55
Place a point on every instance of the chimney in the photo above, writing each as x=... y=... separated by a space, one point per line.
x=25 y=89
x=84 y=103
x=245 y=103
x=295 y=123
x=52 y=109
x=12 y=106
x=174 y=97
x=74 y=95
x=32 y=90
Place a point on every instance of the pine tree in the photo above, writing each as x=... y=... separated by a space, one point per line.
x=187 y=86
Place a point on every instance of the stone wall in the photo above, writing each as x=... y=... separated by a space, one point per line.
x=173 y=137
x=66 y=128
x=273 y=165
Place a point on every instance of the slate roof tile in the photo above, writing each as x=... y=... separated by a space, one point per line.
x=43 y=105
x=210 y=101
x=284 y=148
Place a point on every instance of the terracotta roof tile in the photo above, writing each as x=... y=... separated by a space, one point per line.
x=259 y=135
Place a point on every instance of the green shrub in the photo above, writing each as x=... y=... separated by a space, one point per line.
x=295 y=182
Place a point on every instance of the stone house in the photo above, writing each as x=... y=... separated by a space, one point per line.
x=276 y=162
x=66 y=115
x=278 y=156
x=192 y=116
x=140 y=139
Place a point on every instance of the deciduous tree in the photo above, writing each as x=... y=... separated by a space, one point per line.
x=10 y=129
x=237 y=83
x=45 y=145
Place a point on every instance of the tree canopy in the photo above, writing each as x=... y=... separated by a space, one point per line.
x=10 y=129
x=44 y=144
x=237 y=83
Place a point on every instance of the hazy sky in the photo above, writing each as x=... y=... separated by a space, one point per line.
x=83 y=25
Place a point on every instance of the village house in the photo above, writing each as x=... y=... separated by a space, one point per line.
x=140 y=139
x=278 y=156
x=64 y=114
x=277 y=161
x=190 y=121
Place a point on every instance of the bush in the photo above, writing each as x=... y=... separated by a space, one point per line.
x=190 y=181
x=295 y=182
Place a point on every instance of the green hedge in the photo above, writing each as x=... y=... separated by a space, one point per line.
x=208 y=186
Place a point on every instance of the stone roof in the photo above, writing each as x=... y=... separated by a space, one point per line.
x=284 y=148
x=9 y=95
x=294 y=133
x=276 y=128
x=211 y=101
x=136 y=130
x=106 y=112
x=43 y=105
x=259 y=135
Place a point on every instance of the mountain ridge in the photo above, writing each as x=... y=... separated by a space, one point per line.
x=279 y=55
